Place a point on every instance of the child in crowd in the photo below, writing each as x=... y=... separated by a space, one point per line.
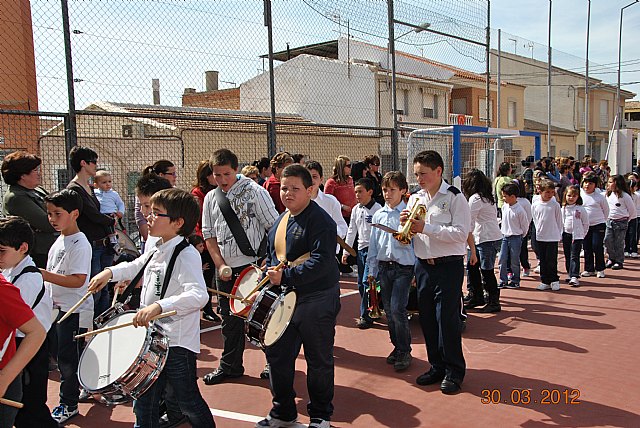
x=631 y=240
x=208 y=271
x=67 y=277
x=515 y=224
x=392 y=264
x=621 y=209
x=523 y=200
x=16 y=241
x=575 y=222
x=547 y=218
x=15 y=314
x=484 y=242
x=361 y=216
x=173 y=217
x=251 y=172
x=110 y=202
x=597 y=208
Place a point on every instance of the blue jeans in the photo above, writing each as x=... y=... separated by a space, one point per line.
x=395 y=282
x=363 y=286
x=510 y=258
x=179 y=372
x=101 y=258
x=594 y=248
x=571 y=250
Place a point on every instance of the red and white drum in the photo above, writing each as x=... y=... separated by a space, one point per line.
x=246 y=282
x=120 y=365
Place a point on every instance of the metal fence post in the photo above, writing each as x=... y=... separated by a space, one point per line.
x=71 y=131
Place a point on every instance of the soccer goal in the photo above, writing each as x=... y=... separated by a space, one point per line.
x=464 y=147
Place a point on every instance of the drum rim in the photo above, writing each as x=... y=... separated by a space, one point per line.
x=259 y=341
x=236 y=285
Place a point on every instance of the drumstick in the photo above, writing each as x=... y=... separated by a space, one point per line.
x=222 y=293
x=346 y=247
x=127 y=324
x=265 y=279
x=76 y=306
x=11 y=403
x=116 y=291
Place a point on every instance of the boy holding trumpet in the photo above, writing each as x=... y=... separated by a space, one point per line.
x=173 y=217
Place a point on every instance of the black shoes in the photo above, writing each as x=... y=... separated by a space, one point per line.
x=211 y=317
x=364 y=324
x=449 y=387
x=391 y=359
x=430 y=377
x=218 y=376
x=403 y=361
x=266 y=372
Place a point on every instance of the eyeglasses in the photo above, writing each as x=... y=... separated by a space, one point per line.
x=175 y=174
x=156 y=215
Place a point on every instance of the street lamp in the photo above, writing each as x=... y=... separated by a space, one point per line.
x=618 y=108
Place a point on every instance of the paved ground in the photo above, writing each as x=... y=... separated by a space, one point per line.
x=566 y=358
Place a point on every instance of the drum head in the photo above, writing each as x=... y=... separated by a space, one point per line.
x=245 y=284
x=109 y=355
x=281 y=313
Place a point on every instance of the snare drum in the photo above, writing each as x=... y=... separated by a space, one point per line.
x=270 y=315
x=120 y=365
x=246 y=282
x=101 y=320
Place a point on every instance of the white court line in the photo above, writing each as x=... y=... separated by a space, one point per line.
x=236 y=416
x=218 y=327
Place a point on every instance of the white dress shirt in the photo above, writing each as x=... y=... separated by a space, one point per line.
x=447 y=223
x=186 y=292
x=361 y=224
x=331 y=205
x=484 y=220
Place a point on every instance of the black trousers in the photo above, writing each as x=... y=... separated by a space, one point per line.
x=440 y=305
x=35 y=376
x=233 y=340
x=313 y=326
x=548 y=253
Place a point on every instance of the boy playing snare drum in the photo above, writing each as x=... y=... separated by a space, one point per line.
x=173 y=217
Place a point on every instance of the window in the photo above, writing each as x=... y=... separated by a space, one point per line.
x=511 y=114
x=482 y=108
x=459 y=106
x=580 y=113
x=604 y=113
x=429 y=105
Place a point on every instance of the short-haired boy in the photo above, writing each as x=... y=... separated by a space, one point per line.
x=173 y=217
x=547 y=218
x=515 y=224
x=67 y=276
x=392 y=263
x=16 y=241
x=360 y=225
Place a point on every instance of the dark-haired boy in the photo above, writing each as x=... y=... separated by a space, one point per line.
x=67 y=276
x=440 y=244
x=392 y=264
x=310 y=246
x=515 y=224
x=360 y=225
x=174 y=214
x=16 y=240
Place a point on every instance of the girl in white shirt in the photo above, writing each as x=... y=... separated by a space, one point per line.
x=575 y=222
x=621 y=209
x=631 y=240
x=597 y=208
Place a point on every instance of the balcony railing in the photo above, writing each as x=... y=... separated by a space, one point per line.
x=460 y=119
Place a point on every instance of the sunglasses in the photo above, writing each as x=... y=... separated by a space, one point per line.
x=93 y=161
x=154 y=215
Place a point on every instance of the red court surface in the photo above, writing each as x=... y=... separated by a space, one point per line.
x=567 y=358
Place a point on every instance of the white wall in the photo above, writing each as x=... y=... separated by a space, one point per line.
x=320 y=89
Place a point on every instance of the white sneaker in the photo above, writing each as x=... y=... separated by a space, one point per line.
x=537 y=269
x=278 y=423
x=543 y=287
x=555 y=286
x=586 y=274
x=600 y=274
x=319 y=423
x=526 y=272
x=574 y=282
x=627 y=254
x=634 y=255
x=63 y=413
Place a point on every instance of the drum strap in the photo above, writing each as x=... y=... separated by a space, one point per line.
x=172 y=262
x=236 y=228
x=280 y=243
x=122 y=298
x=31 y=269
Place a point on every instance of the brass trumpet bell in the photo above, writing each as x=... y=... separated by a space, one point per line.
x=418 y=212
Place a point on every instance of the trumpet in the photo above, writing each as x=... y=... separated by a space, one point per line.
x=374 y=298
x=418 y=212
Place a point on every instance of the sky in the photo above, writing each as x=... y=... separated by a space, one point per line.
x=119 y=46
x=529 y=19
